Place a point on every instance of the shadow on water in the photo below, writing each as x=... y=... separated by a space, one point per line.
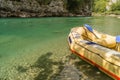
x=92 y=72
x=21 y=69
x=46 y=65
x=72 y=67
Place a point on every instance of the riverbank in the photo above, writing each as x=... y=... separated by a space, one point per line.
x=107 y=14
x=114 y=15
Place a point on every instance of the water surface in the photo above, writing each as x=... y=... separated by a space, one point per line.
x=25 y=42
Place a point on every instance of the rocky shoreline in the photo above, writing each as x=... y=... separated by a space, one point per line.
x=111 y=15
x=32 y=8
x=24 y=14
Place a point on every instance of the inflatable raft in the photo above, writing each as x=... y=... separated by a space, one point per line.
x=101 y=50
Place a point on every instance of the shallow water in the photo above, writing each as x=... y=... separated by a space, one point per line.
x=27 y=41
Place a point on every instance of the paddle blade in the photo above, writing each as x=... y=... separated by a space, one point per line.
x=118 y=39
x=88 y=27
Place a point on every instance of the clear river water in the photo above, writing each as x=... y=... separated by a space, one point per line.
x=33 y=48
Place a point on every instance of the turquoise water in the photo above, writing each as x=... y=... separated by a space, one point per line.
x=24 y=40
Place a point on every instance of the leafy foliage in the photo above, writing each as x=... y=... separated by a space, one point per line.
x=115 y=6
x=100 y=5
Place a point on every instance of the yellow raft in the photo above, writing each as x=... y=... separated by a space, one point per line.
x=101 y=50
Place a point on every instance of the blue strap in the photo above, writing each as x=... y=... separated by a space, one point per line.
x=118 y=39
x=88 y=27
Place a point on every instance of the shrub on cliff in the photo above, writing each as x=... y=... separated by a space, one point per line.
x=115 y=6
x=100 y=5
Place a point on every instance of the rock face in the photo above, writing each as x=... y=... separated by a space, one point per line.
x=35 y=8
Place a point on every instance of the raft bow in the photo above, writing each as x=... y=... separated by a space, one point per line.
x=101 y=50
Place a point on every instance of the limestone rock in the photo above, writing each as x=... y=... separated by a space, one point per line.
x=32 y=8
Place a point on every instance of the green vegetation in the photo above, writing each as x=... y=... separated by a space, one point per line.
x=115 y=6
x=99 y=6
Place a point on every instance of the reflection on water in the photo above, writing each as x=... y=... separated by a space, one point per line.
x=24 y=40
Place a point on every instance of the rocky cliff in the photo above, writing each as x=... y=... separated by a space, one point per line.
x=41 y=8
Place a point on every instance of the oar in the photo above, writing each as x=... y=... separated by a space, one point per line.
x=90 y=29
x=118 y=43
x=118 y=39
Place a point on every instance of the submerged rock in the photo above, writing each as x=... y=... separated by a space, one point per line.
x=70 y=73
